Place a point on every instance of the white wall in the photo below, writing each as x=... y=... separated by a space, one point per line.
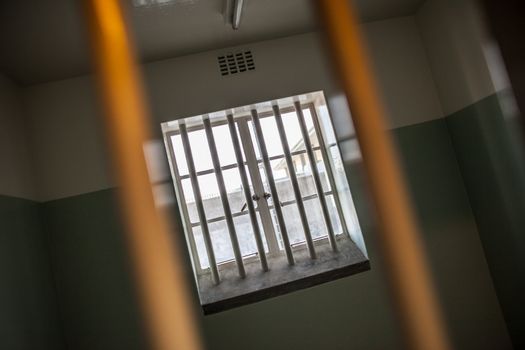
x=402 y=70
x=16 y=173
x=69 y=149
x=454 y=38
x=70 y=154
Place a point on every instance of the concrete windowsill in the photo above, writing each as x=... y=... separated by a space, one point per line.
x=281 y=278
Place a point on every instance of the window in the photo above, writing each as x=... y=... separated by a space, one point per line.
x=259 y=189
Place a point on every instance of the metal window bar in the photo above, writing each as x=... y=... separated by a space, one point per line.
x=405 y=259
x=247 y=194
x=200 y=207
x=315 y=173
x=295 y=183
x=273 y=187
x=258 y=187
x=210 y=171
x=224 y=197
x=165 y=300
x=188 y=224
x=328 y=168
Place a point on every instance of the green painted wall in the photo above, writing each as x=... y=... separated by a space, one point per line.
x=28 y=312
x=494 y=177
x=451 y=237
x=98 y=304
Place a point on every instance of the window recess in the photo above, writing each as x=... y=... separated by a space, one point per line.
x=264 y=200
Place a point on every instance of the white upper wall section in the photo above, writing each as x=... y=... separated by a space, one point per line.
x=403 y=75
x=191 y=85
x=69 y=150
x=16 y=174
x=65 y=116
x=453 y=34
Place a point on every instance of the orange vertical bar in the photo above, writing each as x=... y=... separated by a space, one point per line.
x=403 y=253
x=161 y=281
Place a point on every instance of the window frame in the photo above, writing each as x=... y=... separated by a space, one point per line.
x=244 y=118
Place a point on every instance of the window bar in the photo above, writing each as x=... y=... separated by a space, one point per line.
x=273 y=187
x=328 y=168
x=224 y=197
x=405 y=260
x=198 y=201
x=247 y=194
x=210 y=171
x=258 y=187
x=165 y=300
x=295 y=183
x=315 y=173
x=183 y=207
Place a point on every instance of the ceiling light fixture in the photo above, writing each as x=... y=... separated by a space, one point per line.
x=152 y=3
x=237 y=13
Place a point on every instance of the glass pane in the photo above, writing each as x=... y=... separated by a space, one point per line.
x=315 y=220
x=210 y=194
x=232 y=181
x=200 y=150
x=201 y=248
x=180 y=157
x=301 y=164
x=310 y=126
x=282 y=180
x=293 y=223
x=304 y=174
x=306 y=185
x=246 y=236
x=334 y=217
x=279 y=169
x=220 y=238
x=190 y=200
x=293 y=131
x=326 y=125
x=321 y=168
x=314 y=214
x=338 y=170
x=271 y=137
x=224 y=145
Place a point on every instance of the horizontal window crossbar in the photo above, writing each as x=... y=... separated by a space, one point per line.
x=241 y=213
x=233 y=166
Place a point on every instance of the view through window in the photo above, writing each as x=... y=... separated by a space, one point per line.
x=258 y=182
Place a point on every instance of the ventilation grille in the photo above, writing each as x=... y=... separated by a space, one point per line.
x=233 y=63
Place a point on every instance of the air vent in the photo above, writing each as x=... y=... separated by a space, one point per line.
x=233 y=63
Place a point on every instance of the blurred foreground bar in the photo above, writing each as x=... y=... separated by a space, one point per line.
x=402 y=251
x=165 y=299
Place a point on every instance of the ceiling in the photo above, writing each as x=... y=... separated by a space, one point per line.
x=45 y=40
